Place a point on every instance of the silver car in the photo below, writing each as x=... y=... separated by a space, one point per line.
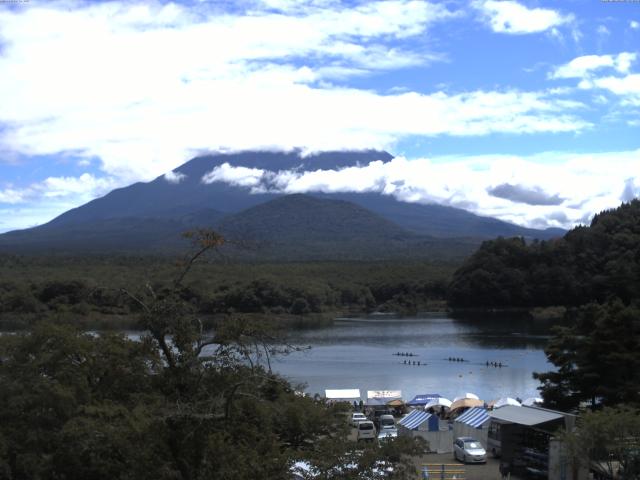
x=387 y=433
x=469 y=450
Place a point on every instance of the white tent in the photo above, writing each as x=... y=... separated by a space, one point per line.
x=531 y=401
x=438 y=402
x=343 y=395
x=503 y=402
x=382 y=397
x=467 y=395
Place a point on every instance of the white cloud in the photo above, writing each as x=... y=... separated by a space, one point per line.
x=41 y=201
x=627 y=87
x=511 y=17
x=238 y=176
x=553 y=189
x=589 y=69
x=634 y=24
x=584 y=66
x=174 y=177
x=86 y=185
x=143 y=88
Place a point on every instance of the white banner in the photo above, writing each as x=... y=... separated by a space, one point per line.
x=384 y=393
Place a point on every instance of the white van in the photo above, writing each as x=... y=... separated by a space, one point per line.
x=366 y=430
x=386 y=421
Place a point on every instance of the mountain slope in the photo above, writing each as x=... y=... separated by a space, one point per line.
x=111 y=235
x=440 y=220
x=150 y=216
x=161 y=198
x=303 y=227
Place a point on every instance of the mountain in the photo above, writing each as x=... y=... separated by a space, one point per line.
x=161 y=198
x=304 y=227
x=440 y=220
x=149 y=217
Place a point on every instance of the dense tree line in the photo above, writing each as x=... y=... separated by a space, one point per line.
x=595 y=271
x=597 y=357
x=594 y=263
x=88 y=291
x=177 y=404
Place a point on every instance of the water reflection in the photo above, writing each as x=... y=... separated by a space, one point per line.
x=359 y=353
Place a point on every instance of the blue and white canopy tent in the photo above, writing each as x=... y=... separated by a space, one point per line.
x=422 y=399
x=419 y=420
x=473 y=423
x=474 y=417
x=419 y=423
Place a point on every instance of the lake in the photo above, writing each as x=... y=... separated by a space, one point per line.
x=359 y=353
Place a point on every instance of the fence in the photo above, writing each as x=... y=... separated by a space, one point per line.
x=443 y=471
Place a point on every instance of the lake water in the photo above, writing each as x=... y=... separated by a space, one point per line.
x=358 y=353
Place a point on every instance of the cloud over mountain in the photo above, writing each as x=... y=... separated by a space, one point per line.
x=520 y=194
x=148 y=74
x=522 y=190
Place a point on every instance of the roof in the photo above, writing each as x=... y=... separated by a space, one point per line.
x=474 y=417
x=414 y=419
x=351 y=393
x=525 y=415
x=466 y=402
x=423 y=398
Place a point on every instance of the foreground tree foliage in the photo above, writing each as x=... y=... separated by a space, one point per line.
x=610 y=440
x=597 y=358
x=175 y=404
x=588 y=264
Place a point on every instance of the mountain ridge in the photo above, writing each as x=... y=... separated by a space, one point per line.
x=150 y=216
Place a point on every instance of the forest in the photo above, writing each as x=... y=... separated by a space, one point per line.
x=590 y=263
x=87 y=291
x=595 y=271
x=179 y=403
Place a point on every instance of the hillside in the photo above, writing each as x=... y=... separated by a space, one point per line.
x=593 y=263
x=297 y=227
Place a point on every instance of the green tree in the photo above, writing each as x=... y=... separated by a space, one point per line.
x=610 y=439
x=177 y=404
x=597 y=358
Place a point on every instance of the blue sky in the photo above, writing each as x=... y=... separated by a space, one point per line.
x=528 y=111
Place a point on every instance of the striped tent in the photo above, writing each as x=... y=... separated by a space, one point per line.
x=474 y=417
x=425 y=425
x=473 y=423
x=417 y=418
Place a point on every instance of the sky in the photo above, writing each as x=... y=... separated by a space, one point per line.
x=528 y=111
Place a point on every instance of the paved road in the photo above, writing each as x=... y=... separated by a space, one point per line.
x=483 y=471
x=486 y=471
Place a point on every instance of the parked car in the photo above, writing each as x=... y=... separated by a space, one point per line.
x=376 y=414
x=366 y=430
x=387 y=432
x=385 y=421
x=469 y=450
x=357 y=417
